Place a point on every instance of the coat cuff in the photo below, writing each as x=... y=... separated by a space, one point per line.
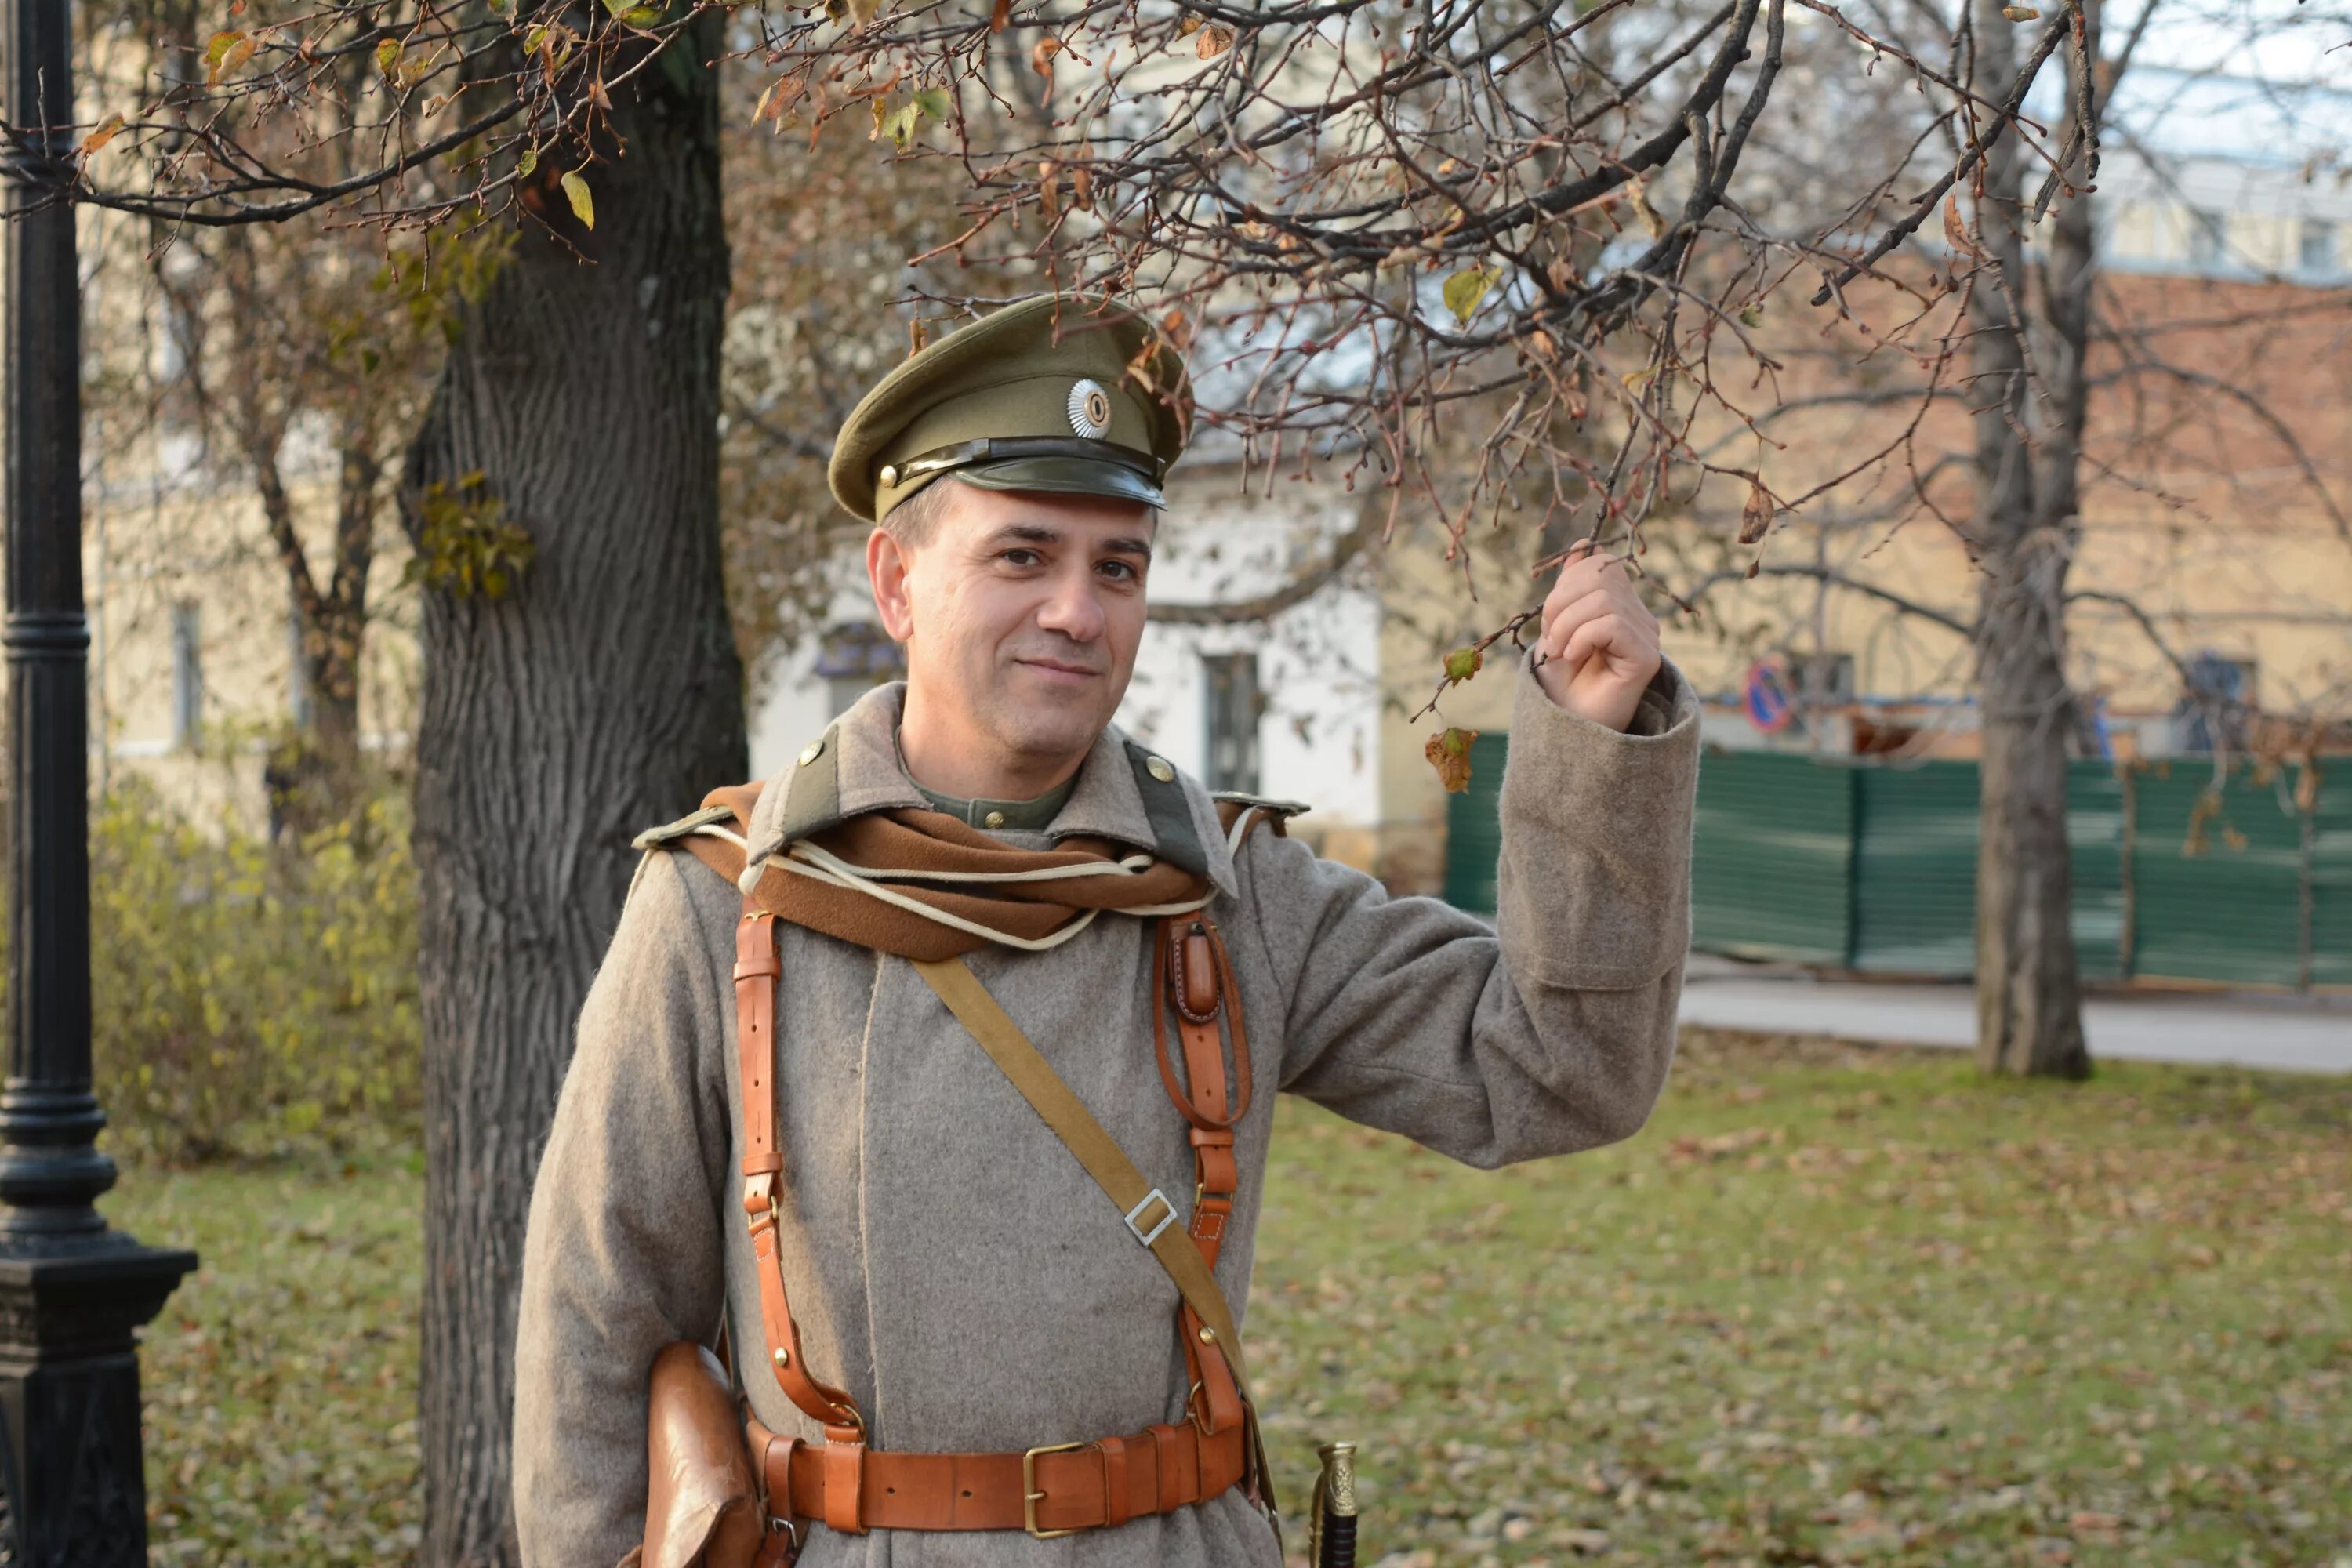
x=1594 y=887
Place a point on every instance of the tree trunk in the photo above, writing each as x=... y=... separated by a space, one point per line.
x=2029 y=444
x=598 y=695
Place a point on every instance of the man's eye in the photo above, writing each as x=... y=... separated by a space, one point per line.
x=1020 y=558
x=1123 y=571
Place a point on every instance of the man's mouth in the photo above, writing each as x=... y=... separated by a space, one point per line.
x=1060 y=668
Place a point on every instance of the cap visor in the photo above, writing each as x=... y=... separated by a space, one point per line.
x=1063 y=476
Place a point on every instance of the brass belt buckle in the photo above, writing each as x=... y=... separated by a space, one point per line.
x=1030 y=1497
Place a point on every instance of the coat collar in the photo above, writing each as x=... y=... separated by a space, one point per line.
x=853 y=768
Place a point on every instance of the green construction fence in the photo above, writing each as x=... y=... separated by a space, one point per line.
x=2181 y=871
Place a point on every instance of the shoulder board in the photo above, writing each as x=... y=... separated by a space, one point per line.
x=1274 y=815
x=671 y=831
x=1263 y=802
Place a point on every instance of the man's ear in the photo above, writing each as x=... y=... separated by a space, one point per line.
x=886 y=565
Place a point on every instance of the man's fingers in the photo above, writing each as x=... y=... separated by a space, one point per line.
x=1577 y=575
x=1613 y=632
x=1597 y=599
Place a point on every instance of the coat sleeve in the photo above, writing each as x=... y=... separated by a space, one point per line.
x=1549 y=1031
x=623 y=1254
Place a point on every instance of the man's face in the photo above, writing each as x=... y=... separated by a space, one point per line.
x=1021 y=612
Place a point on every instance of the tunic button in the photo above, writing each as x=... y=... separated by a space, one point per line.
x=995 y=819
x=810 y=752
x=1158 y=768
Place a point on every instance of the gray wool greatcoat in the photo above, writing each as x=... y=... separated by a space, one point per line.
x=949 y=1261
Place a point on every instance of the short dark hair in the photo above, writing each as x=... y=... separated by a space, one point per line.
x=913 y=520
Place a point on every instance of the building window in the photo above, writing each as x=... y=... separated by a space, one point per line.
x=298 y=681
x=2205 y=236
x=187 y=675
x=1824 y=680
x=2315 y=250
x=855 y=657
x=1229 y=686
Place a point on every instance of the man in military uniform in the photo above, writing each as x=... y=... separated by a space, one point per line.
x=929 y=1270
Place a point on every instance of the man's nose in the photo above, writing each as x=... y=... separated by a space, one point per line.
x=1073 y=608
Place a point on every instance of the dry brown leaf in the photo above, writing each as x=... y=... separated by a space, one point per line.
x=1956 y=228
x=1041 y=59
x=1214 y=41
x=1000 y=15
x=1755 y=517
x=1449 y=752
x=1639 y=189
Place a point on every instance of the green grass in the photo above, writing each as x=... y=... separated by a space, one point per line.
x=1834 y=1306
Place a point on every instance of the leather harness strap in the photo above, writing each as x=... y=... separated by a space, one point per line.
x=1192 y=959
x=757 y=968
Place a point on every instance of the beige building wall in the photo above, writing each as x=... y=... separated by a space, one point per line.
x=192 y=650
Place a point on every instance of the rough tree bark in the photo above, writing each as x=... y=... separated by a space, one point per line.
x=600 y=694
x=2027 y=354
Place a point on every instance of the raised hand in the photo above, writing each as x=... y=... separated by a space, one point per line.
x=1598 y=643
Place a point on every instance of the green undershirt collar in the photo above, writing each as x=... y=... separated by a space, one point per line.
x=1024 y=816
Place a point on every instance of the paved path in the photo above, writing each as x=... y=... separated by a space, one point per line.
x=2308 y=1034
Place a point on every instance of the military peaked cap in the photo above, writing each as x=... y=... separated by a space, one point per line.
x=1070 y=392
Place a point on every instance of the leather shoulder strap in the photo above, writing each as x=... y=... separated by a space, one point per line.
x=1147 y=1210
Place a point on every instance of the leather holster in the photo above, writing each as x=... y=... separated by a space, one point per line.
x=702 y=1507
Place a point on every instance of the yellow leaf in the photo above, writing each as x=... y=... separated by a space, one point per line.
x=107 y=130
x=216 y=53
x=527 y=163
x=1464 y=291
x=584 y=205
x=1463 y=663
x=387 y=56
x=2021 y=13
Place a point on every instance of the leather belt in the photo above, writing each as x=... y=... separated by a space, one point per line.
x=1047 y=1491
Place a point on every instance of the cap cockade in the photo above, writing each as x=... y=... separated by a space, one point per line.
x=1090 y=409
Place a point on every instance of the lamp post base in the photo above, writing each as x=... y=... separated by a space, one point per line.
x=72 y=1487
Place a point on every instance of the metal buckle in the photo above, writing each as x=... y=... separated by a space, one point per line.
x=1030 y=1497
x=1148 y=1237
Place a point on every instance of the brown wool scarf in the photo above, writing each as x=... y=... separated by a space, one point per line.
x=948 y=866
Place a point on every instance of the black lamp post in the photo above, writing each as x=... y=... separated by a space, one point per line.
x=73 y=1293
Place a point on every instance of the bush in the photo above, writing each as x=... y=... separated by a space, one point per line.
x=248 y=998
